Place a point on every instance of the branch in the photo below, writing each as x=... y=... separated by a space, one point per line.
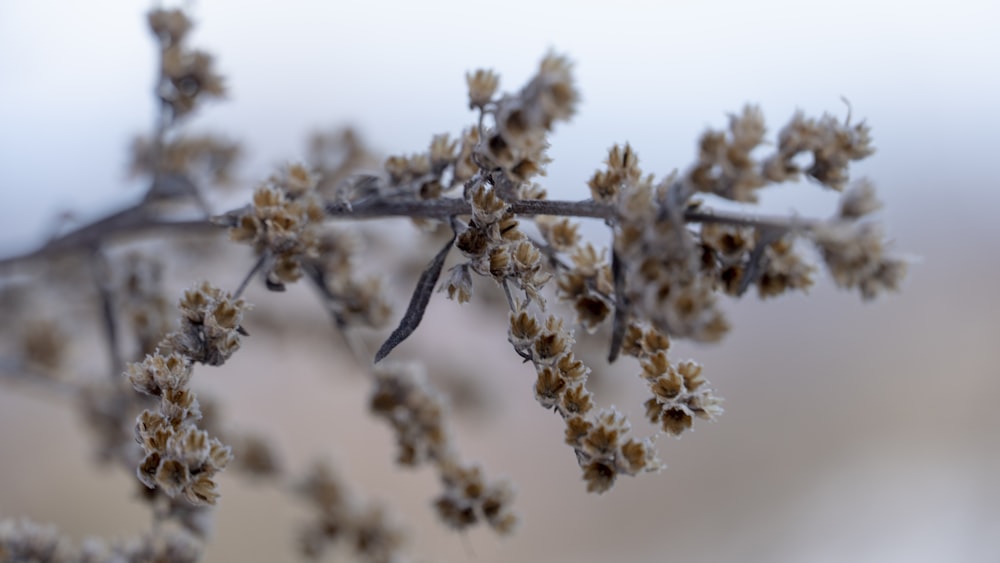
x=448 y=207
x=135 y=220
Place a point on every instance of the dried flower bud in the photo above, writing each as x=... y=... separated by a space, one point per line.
x=859 y=200
x=459 y=283
x=211 y=326
x=169 y=26
x=482 y=85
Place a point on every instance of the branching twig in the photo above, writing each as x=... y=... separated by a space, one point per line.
x=101 y=272
x=135 y=220
x=253 y=271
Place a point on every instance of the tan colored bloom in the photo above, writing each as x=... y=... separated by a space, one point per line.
x=43 y=345
x=576 y=400
x=600 y=476
x=211 y=326
x=482 y=85
x=169 y=26
x=859 y=200
x=549 y=387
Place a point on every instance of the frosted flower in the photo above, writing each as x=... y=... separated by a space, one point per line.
x=482 y=85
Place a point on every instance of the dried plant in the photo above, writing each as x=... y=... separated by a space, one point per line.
x=482 y=212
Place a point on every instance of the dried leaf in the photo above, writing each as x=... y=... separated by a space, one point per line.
x=418 y=303
x=620 y=321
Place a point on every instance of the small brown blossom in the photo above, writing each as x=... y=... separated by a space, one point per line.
x=482 y=85
x=855 y=256
x=169 y=26
x=676 y=420
x=561 y=234
x=190 y=76
x=599 y=476
x=523 y=328
x=43 y=345
x=548 y=346
x=548 y=387
x=576 y=400
x=282 y=222
x=638 y=456
x=859 y=200
x=577 y=427
x=459 y=284
x=211 y=326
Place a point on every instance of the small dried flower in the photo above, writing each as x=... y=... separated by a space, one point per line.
x=211 y=326
x=859 y=200
x=190 y=76
x=283 y=222
x=442 y=152
x=855 y=257
x=549 y=387
x=24 y=540
x=561 y=234
x=296 y=180
x=169 y=26
x=43 y=345
x=482 y=85
x=576 y=400
x=600 y=476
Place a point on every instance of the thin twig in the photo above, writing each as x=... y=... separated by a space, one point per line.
x=447 y=207
x=754 y=268
x=253 y=271
x=783 y=224
x=17 y=371
x=101 y=272
x=134 y=220
x=317 y=278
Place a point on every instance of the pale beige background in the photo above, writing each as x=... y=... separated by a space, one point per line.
x=862 y=432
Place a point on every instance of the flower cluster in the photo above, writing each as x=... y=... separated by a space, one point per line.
x=186 y=75
x=447 y=164
x=337 y=155
x=495 y=246
x=142 y=299
x=603 y=448
x=208 y=156
x=283 y=223
x=43 y=346
x=416 y=413
x=353 y=300
x=211 y=326
x=728 y=255
x=832 y=144
x=726 y=167
x=468 y=498
x=588 y=285
x=26 y=541
x=516 y=144
x=663 y=282
x=854 y=250
x=680 y=393
x=367 y=528
x=180 y=458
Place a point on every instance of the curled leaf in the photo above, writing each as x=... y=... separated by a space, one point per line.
x=418 y=303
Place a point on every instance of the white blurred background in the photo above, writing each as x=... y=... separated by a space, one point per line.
x=864 y=432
